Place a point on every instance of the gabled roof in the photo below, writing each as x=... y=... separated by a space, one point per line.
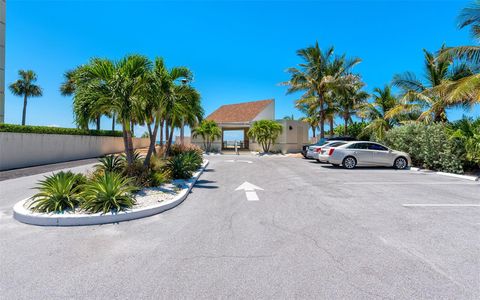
x=241 y=112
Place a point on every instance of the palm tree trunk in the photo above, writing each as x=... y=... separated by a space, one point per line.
x=127 y=140
x=151 y=148
x=313 y=130
x=24 y=114
x=331 y=126
x=132 y=128
x=322 y=116
x=182 y=133
x=98 y=122
x=161 y=132
x=113 y=122
x=169 y=143
x=345 y=128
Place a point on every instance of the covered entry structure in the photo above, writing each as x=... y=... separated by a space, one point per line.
x=240 y=117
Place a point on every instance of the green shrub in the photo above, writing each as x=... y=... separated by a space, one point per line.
x=110 y=192
x=58 y=193
x=180 y=149
x=428 y=145
x=139 y=175
x=356 y=130
x=180 y=167
x=158 y=178
x=110 y=163
x=56 y=130
x=193 y=159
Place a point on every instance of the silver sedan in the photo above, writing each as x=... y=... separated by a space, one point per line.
x=366 y=153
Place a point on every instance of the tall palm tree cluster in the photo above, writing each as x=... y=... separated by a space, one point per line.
x=326 y=81
x=331 y=89
x=134 y=90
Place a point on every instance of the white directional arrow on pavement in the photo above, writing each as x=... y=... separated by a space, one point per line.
x=249 y=190
x=243 y=161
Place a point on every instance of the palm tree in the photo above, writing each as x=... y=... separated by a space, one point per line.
x=265 y=132
x=431 y=94
x=118 y=87
x=25 y=86
x=209 y=131
x=349 y=99
x=319 y=73
x=468 y=87
x=377 y=111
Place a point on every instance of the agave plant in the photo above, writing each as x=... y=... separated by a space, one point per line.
x=110 y=192
x=193 y=159
x=57 y=193
x=180 y=167
x=137 y=158
x=110 y=163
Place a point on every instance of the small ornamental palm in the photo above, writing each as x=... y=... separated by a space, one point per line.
x=110 y=192
x=57 y=193
x=110 y=163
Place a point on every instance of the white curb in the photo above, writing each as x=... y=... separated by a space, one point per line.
x=24 y=215
x=467 y=177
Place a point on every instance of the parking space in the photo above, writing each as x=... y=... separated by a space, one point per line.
x=265 y=227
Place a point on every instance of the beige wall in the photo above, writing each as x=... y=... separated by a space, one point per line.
x=18 y=150
x=2 y=60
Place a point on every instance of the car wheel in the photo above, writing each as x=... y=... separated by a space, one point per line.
x=349 y=162
x=400 y=163
x=318 y=161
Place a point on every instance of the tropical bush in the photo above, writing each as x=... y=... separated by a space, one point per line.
x=265 y=132
x=110 y=163
x=180 y=166
x=55 y=130
x=58 y=192
x=179 y=149
x=110 y=192
x=193 y=159
x=429 y=146
x=157 y=178
x=466 y=133
x=355 y=129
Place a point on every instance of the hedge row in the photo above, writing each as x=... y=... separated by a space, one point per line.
x=56 y=130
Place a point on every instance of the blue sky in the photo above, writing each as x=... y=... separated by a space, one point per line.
x=238 y=50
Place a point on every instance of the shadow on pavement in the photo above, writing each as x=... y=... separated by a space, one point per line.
x=205 y=184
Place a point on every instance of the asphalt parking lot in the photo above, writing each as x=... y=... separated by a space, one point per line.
x=309 y=231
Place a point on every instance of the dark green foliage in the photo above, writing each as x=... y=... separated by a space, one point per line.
x=193 y=159
x=180 y=166
x=58 y=192
x=110 y=163
x=355 y=130
x=158 y=178
x=137 y=158
x=56 y=130
x=110 y=192
x=429 y=146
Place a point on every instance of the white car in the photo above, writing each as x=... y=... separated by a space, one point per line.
x=321 y=154
x=365 y=153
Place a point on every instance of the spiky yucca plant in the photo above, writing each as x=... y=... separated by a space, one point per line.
x=57 y=193
x=110 y=192
x=110 y=163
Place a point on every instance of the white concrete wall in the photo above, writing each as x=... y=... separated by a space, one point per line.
x=291 y=140
x=18 y=150
x=268 y=113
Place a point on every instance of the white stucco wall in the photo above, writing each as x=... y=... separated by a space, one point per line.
x=293 y=137
x=18 y=150
x=267 y=114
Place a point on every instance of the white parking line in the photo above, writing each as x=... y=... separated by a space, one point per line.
x=411 y=183
x=441 y=205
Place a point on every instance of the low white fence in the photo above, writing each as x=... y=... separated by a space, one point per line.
x=19 y=150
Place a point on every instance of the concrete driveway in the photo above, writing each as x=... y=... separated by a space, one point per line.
x=314 y=232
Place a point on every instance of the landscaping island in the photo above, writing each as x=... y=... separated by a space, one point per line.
x=113 y=192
